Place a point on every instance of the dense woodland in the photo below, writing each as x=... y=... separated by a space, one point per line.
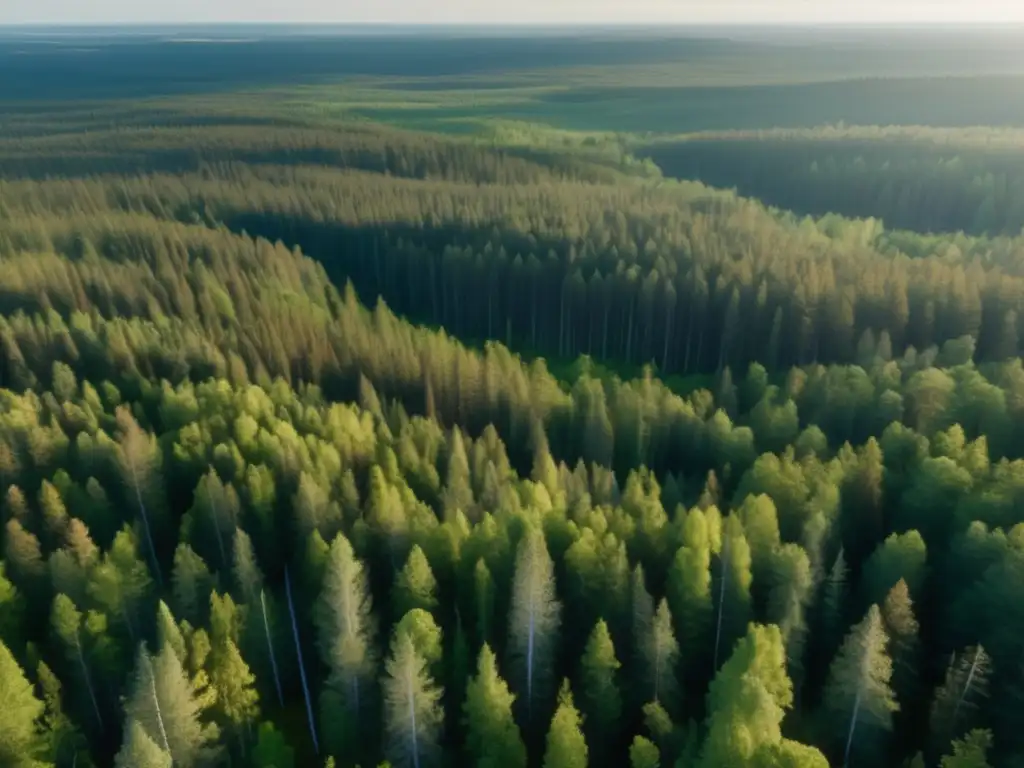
x=924 y=179
x=253 y=515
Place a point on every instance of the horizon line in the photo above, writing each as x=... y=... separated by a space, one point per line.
x=661 y=24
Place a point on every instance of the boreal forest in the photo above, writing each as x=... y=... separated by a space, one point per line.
x=562 y=401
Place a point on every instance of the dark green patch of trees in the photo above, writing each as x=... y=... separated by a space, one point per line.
x=922 y=179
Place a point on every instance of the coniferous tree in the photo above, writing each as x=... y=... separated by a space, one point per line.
x=237 y=702
x=22 y=744
x=970 y=752
x=956 y=703
x=415 y=586
x=140 y=751
x=858 y=701
x=413 y=717
x=659 y=653
x=271 y=750
x=345 y=637
x=600 y=698
x=533 y=622
x=162 y=700
x=66 y=622
x=643 y=754
x=566 y=747
x=492 y=736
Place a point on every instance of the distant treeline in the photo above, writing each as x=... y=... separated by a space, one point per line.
x=922 y=179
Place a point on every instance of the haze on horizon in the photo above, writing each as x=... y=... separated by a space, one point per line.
x=580 y=12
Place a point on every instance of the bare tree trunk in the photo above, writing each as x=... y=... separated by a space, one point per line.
x=302 y=667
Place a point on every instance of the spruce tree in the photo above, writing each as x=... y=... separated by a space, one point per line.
x=858 y=700
x=956 y=703
x=413 y=717
x=643 y=754
x=22 y=743
x=162 y=700
x=600 y=698
x=140 y=751
x=492 y=736
x=271 y=750
x=415 y=586
x=660 y=654
x=970 y=752
x=345 y=630
x=566 y=747
x=533 y=622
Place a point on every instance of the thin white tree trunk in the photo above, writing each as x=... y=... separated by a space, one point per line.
x=415 y=736
x=853 y=725
x=88 y=681
x=145 y=520
x=156 y=703
x=270 y=648
x=721 y=598
x=302 y=666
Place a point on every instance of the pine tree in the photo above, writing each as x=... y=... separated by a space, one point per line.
x=733 y=606
x=162 y=700
x=956 y=702
x=415 y=586
x=12 y=612
x=22 y=744
x=857 y=698
x=67 y=743
x=422 y=629
x=237 y=703
x=192 y=584
x=660 y=654
x=747 y=701
x=121 y=584
x=643 y=754
x=901 y=626
x=271 y=750
x=566 y=747
x=140 y=751
x=413 y=717
x=483 y=594
x=345 y=630
x=970 y=752
x=688 y=589
x=66 y=622
x=533 y=621
x=492 y=737
x=600 y=699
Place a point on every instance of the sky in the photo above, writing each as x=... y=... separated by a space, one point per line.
x=511 y=12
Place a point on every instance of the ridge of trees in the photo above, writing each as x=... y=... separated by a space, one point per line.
x=921 y=179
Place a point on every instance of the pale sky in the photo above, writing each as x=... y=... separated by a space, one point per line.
x=511 y=11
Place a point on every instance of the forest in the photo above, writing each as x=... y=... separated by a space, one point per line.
x=330 y=440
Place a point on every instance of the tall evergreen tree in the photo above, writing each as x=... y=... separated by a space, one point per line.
x=345 y=631
x=413 y=717
x=957 y=702
x=600 y=698
x=533 y=622
x=162 y=700
x=566 y=747
x=140 y=751
x=415 y=586
x=858 y=700
x=492 y=736
x=22 y=743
